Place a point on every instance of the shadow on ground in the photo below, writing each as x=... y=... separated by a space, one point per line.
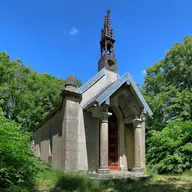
x=84 y=184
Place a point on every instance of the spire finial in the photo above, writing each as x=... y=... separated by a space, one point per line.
x=107 y=31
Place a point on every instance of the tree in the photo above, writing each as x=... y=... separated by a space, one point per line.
x=168 y=86
x=168 y=90
x=28 y=96
x=18 y=166
x=169 y=150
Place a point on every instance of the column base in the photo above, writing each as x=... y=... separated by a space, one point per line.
x=138 y=169
x=103 y=170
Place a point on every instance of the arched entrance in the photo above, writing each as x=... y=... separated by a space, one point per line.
x=112 y=141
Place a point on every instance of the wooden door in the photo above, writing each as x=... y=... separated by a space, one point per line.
x=113 y=146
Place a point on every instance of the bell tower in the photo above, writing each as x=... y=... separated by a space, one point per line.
x=107 y=58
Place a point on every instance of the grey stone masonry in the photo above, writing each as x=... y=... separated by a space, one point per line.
x=71 y=83
x=137 y=145
x=119 y=175
x=69 y=141
x=103 y=168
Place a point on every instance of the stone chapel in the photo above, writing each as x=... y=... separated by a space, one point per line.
x=99 y=126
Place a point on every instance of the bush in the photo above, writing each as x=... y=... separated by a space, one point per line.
x=18 y=166
x=170 y=150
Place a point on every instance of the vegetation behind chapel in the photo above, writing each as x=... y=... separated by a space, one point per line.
x=28 y=96
x=168 y=91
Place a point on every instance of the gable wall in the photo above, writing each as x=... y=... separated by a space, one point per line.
x=55 y=123
x=107 y=79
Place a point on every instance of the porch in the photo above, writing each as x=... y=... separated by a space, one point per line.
x=121 y=136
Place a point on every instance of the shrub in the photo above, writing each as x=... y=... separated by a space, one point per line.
x=170 y=150
x=18 y=166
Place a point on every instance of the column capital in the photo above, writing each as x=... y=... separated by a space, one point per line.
x=104 y=117
x=104 y=113
x=137 y=122
x=105 y=108
x=143 y=116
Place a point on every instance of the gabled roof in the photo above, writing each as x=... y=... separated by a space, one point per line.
x=110 y=89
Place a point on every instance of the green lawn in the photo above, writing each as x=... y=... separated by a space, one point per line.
x=57 y=181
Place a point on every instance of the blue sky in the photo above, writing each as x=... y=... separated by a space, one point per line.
x=61 y=37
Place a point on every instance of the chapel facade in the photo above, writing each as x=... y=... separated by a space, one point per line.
x=99 y=126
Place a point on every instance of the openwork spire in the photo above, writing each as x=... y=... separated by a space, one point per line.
x=107 y=31
x=107 y=43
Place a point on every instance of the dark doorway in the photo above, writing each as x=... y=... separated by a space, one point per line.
x=113 y=141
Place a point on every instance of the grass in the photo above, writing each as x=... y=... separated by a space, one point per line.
x=57 y=181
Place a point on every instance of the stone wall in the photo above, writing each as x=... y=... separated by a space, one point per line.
x=43 y=133
x=129 y=145
x=92 y=140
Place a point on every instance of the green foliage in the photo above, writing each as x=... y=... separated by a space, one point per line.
x=169 y=150
x=168 y=86
x=18 y=166
x=168 y=91
x=28 y=96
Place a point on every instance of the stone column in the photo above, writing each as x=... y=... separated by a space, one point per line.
x=143 y=117
x=137 y=145
x=103 y=156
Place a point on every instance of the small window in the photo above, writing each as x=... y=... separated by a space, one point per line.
x=50 y=142
x=39 y=145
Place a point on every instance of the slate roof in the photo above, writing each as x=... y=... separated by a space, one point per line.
x=105 y=93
